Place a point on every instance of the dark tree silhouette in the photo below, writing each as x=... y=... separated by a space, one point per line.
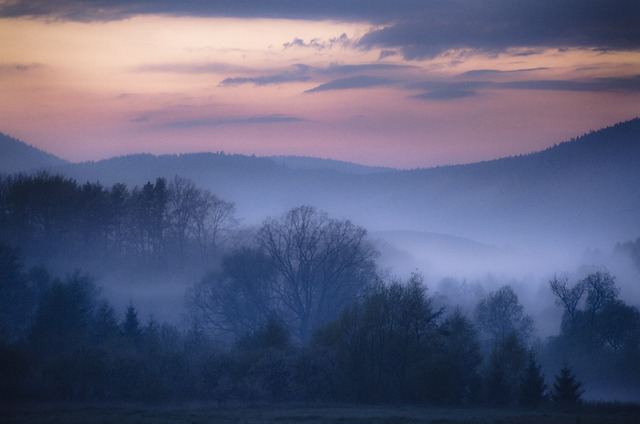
x=213 y=221
x=10 y=265
x=272 y=335
x=118 y=209
x=94 y=220
x=182 y=203
x=382 y=344
x=105 y=325
x=506 y=369
x=533 y=390
x=600 y=334
x=65 y=314
x=14 y=295
x=500 y=315
x=41 y=214
x=60 y=223
x=131 y=326
x=150 y=217
x=455 y=362
x=568 y=297
x=566 y=390
x=497 y=388
x=238 y=299
x=618 y=327
x=601 y=290
x=322 y=264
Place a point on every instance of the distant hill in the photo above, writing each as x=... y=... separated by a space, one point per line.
x=316 y=164
x=16 y=156
x=585 y=191
x=588 y=185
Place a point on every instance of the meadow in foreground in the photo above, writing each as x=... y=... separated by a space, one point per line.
x=325 y=414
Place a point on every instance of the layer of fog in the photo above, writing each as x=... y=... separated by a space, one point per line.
x=459 y=272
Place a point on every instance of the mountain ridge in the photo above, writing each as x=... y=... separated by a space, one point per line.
x=294 y=162
x=320 y=164
x=18 y=156
x=587 y=187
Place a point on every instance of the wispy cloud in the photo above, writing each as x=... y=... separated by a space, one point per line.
x=251 y=120
x=334 y=69
x=492 y=72
x=20 y=67
x=318 y=44
x=299 y=73
x=447 y=90
x=446 y=94
x=265 y=80
x=432 y=85
x=527 y=52
x=140 y=119
x=592 y=85
x=304 y=73
x=360 y=81
x=387 y=53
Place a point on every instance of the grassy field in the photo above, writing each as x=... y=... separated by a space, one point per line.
x=284 y=414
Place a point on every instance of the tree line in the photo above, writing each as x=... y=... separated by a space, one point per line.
x=162 y=224
x=297 y=311
x=62 y=341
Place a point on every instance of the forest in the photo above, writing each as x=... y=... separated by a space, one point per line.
x=293 y=310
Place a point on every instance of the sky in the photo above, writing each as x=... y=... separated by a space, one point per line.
x=404 y=83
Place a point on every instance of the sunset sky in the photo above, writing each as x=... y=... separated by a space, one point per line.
x=405 y=83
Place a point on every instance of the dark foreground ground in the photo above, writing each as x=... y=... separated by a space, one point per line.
x=283 y=414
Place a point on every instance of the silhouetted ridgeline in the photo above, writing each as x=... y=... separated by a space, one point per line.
x=585 y=189
x=16 y=156
x=310 y=163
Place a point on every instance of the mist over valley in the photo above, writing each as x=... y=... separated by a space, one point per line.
x=555 y=204
x=459 y=235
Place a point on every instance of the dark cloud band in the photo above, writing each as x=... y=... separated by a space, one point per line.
x=440 y=90
x=416 y=28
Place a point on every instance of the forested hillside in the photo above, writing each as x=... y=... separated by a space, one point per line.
x=584 y=190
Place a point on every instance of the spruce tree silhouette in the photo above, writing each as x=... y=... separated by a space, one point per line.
x=533 y=388
x=567 y=391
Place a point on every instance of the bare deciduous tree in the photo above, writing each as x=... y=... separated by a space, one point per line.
x=322 y=264
x=599 y=287
x=213 y=218
x=567 y=297
x=184 y=198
